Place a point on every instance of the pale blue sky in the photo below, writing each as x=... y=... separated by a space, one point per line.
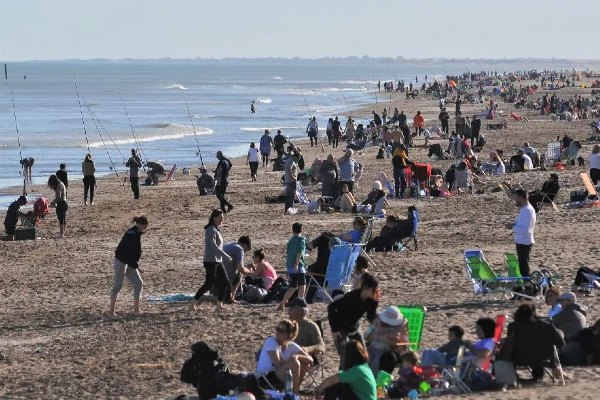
x=59 y=29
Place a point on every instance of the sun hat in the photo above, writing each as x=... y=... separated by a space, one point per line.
x=568 y=296
x=391 y=315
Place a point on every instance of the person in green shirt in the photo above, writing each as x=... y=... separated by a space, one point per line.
x=355 y=381
x=296 y=266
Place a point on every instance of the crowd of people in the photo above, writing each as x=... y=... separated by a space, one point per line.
x=366 y=357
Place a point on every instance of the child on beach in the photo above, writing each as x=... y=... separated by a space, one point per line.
x=410 y=377
x=296 y=266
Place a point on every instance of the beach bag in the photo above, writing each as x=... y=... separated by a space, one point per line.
x=505 y=373
x=277 y=290
x=254 y=294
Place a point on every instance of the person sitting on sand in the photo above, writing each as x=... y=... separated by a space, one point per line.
x=12 y=216
x=546 y=194
x=346 y=201
x=396 y=230
x=354 y=381
x=409 y=379
x=482 y=350
x=262 y=274
x=584 y=348
x=126 y=264
x=445 y=354
x=533 y=340
x=309 y=334
x=572 y=317
x=387 y=339
x=280 y=353
x=521 y=162
x=205 y=182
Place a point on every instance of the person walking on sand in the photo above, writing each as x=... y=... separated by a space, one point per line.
x=290 y=169
x=222 y=181
x=523 y=228
x=88 y=168
x=252 y=160
x=126 y=264
x=134 y=164
x=312 y=129
x=296 y=265
x=59 y=202
x=213 y=261
x=266 y=143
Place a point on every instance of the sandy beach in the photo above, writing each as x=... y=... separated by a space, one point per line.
x=58 y=342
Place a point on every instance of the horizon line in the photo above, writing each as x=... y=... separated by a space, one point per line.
x=314 y=59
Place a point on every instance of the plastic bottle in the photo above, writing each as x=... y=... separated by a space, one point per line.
x=413 y=394
x=288 y=381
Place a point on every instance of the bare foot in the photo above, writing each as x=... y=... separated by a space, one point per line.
x=279 y=307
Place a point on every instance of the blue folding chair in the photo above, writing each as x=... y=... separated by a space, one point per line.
x=340 y=268
x=413 y=234
x=301 y=193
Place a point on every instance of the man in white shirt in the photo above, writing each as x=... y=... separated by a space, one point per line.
x=523 y=230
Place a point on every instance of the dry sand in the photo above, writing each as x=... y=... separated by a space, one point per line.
x=58 y=342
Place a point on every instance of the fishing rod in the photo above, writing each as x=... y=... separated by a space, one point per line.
x=310 y=114
x=94 y=116
x=81 y=112
x=12 y=97
x=345 y=100
x=135 y=138
x=112 y=164
x=199 y=153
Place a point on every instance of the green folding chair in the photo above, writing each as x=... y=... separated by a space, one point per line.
x=415 y=315
x=512 y=265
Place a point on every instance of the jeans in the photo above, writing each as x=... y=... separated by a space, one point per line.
x=523 y=251
x=290 y=195
x=135 y=186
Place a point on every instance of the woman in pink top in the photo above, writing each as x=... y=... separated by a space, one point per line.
x=263 y=273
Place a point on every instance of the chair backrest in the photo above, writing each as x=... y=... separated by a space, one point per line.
x=512 y=265
x=480 y=269
x=384 y=180
x=301 y=194
x=415 y=315
x=416 y=222
x=589 y=185
x=171 y=173
x=500 y=322
x=463 y=178
x=340 y=267
x=366 y=236
x=553 y=151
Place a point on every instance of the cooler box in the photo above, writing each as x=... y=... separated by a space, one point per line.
x=25 y=234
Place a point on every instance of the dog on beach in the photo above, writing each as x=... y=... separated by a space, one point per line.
x=209 y=374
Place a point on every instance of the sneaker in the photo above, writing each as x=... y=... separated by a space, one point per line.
x=291 y=211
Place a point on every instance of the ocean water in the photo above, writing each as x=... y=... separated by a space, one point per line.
x=52 y=130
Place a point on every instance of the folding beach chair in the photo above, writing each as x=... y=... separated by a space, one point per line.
x=170 y=175
x=485 y=281
x=451 y=380
x=316 y=374
x=340 y=268
x=552 y=153
x=415 y=316
x=387 y=184
x=366 y=236
x=542 y=280
x=413 y=234
x=301 y=193
x=463 y=179
x=589 y=185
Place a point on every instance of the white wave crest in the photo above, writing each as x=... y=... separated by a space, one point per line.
x=153 y=138
x=266 y=100
x=360 y=89
x=273 y=128
x=176 y=86
x=356 y=82
x=277 y=78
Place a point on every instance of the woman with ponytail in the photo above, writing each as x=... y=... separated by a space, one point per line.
x=127 y=257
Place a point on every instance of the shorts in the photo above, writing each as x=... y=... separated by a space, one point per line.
x=297 y=280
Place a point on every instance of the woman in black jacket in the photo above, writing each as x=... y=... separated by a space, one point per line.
x=127 y=256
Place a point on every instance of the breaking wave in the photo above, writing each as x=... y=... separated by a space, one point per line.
x=176 y=86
